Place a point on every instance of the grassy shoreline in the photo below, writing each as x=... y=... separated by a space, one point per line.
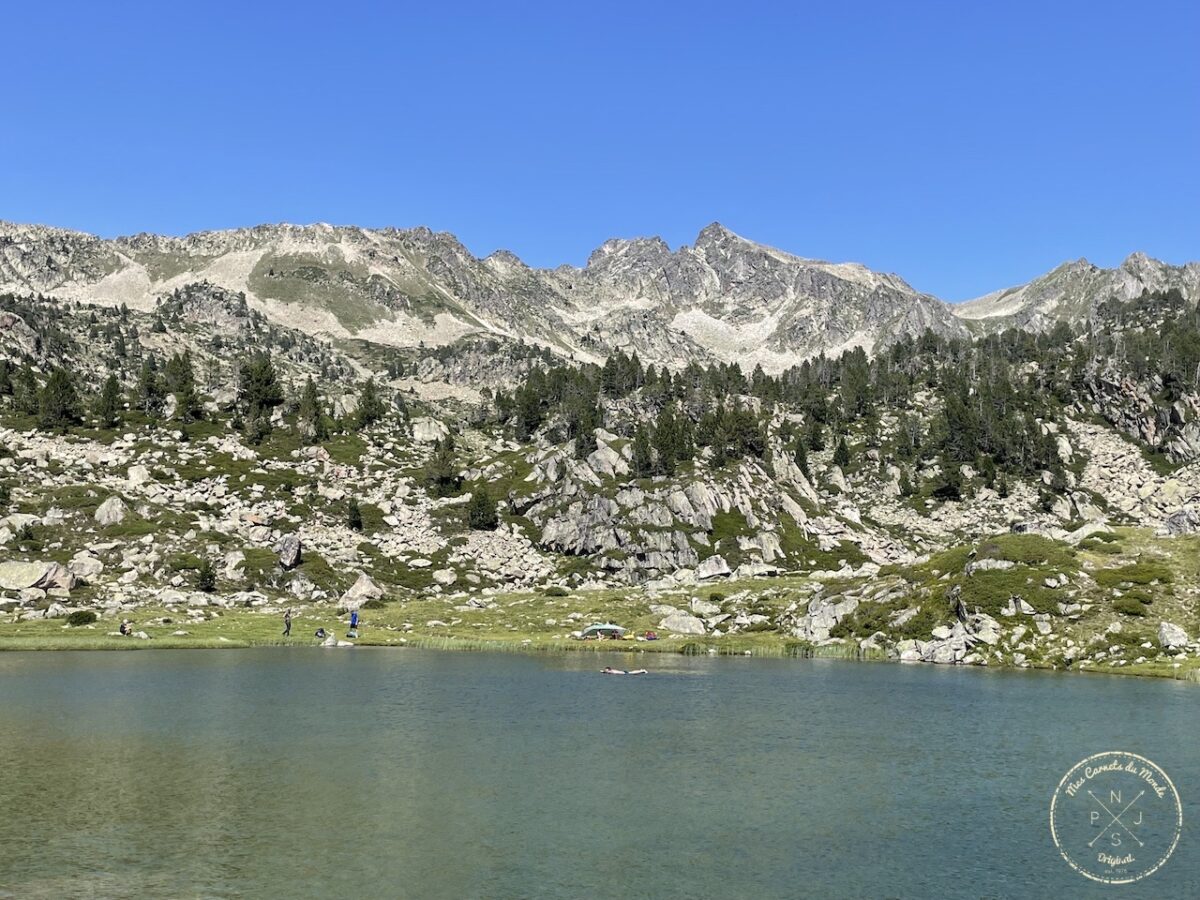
x=761 y=645
x=542 y=620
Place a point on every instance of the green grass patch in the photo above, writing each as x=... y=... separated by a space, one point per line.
x=1028 y=549
x=990 y=590
x=184 y=562
x=1128 y=606
x=727 y=527
x=1144 y=572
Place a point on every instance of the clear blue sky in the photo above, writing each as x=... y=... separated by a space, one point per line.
x=966 y=146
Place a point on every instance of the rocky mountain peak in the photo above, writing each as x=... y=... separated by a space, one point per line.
x=507 y=258
x=649 y=248
x=725 y=297
x=716 y=235
x=1141 y=265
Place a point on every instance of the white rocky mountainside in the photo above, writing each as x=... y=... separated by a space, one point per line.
x=1075 y=289
x=723 y=298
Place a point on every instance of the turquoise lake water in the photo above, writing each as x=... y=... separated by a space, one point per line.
x=406 y=773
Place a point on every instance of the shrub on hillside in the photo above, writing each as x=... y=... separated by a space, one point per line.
x=1135 y=573
x=206 y=577
x=1129 y=606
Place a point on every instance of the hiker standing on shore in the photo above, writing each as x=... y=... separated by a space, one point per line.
x=287 y=623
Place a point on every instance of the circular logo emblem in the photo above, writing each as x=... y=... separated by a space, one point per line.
x=1116 y=817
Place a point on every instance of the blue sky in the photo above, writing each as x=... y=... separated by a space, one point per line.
x=966 y=146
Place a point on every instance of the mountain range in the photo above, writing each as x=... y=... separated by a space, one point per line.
x=722 y=298
x=204 y=431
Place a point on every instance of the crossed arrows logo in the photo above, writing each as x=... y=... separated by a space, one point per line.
x=1115 y=818
x=1105 y=838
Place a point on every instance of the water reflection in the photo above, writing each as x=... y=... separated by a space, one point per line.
x=304 y=773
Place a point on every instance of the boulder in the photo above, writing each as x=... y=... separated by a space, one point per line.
x=426 y=430
x=606 y=461
x=682 y=623
x=1170 y=493
x=445 y=577
x=234 y=565
x=1086 y=531
x=1185 y=520
x=16 y=576
x=713 y=567
x=754 y=569
x=17 y=521
x=987 y=565
x=301 y=586
x=43 y=576
x=288 y=550
x=1171 y=636
x=985 y=628
x=838 y=480
x=822 y=615
x=111 y=512
x=360 y=592
x=705 y=607
x=84 y=565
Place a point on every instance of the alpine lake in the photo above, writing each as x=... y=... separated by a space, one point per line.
x=297 y=772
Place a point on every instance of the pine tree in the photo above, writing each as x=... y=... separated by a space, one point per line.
x=950 y=487
x=841 y=454
x=309 y=417
x=108 y=403
x=529 y=407
x=802 y=459
x=643 y=463
x=583 y=418
x=370 y=407
x=666 y=442
x=257 y=428
x=814 y=434
x=149 y=390
x=180 y=380
x=441 y=474
x=58 y=404
x=685 y=439
x=481 y=510
x=206 y=577
x=259 y=390
x=987 y=470
x=25 y=392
